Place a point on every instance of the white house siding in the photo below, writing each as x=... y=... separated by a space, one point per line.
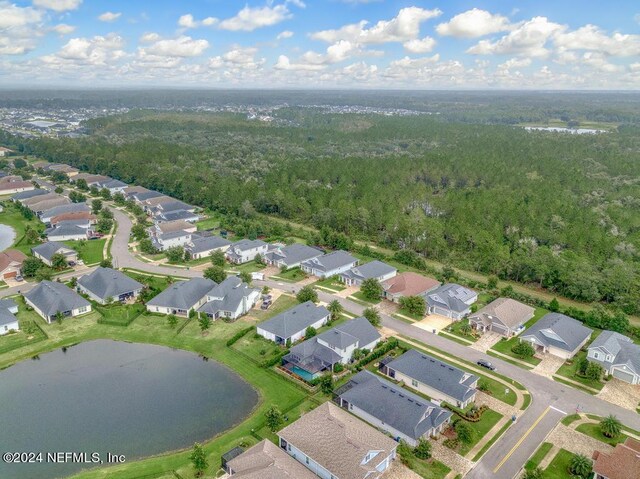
x=9 y=327
x=10 y=191
x=170 y=243
x=307 y=462
x=249 y=255
x=431 y=392
x=158 y=309
x=371 y=345
x=327 y=274
x=76 y=237
x=266 y=334
x=206 y=254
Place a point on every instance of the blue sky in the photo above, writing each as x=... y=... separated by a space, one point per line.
x=321 y=44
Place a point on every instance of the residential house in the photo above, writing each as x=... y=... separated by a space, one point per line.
x=407 y=284
x=181 y=297
x=174 y=205
x=8 y=321
x=47 y=216
x=72 y=230
x=451 y=300
x=246 y=250
x=168 y=240
x=11 y=263
x=265 y=460
x=45 y=252
x=291 y=256
x=437 y=379
x=92 y=179
x=395 y=410
x=329 y=265
x=292 y=324
x=618 y=355
x=621 y=463
x=189 y=216
x=504 y=316
x=230 y=299
x=557 y=334
x=44 y=205
x=333 y=444
x=150 y=203
x=141 y=196
x=5 y=151
x=373 y=270
x=106 y=285
x=70 y=171
x=25 y=195
x=114 y=186
x=49 y=298
x=321 y=353
x=10 y=185
x=171 y=226
x=35 y=199
x=203 y=246
x=87 y=216
x=131 y=190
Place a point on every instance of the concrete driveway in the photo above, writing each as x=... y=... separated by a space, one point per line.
x=486 y=341
x=433 y=321
x=548 y=366
x=623 y=394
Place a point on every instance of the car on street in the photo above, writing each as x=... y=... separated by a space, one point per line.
x=486 y=364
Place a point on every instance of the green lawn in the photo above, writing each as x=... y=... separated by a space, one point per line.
x=11 y=216
x=89 y=251
x=257 y=348
x=504 y=347
x=29 y=332
x=362 y=299
x=159 y=283
x=208 y=223
x=284 y=302
x=568 y=370
x=489 y=419
x=559 y=466
x=331 y=283
x=408 y=314
x=538 y=456
x=250 y=267
x=454 y=329
x=430 y=469
x=292 y=275
x=593 y=430
x=119 y=314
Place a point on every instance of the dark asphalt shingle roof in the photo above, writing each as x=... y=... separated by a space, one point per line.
x=200 y=244
x=558 y=330
x=293 y=254
x=436 y=374
x=373 y=269
x=227 y=296
x=450 y=296
x=107 y=283
x=621 y=347
x=52 y=297
x=48 y=249
x=294 y=320
x=331 y=261
x=25 y=195
x=183 y=294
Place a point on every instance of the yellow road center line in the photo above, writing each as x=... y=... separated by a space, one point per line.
x=517 y=445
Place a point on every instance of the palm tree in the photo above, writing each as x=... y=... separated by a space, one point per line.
x=532 y=474
x=580 y=465
x=610 y=426
x=335 y=308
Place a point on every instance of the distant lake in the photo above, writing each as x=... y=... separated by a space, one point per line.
x=575 y=131
x=108 y=396
x=7 y=236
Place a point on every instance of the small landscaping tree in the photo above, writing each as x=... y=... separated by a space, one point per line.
x=58 y=262
x=611 y=426
x=105 y=194
x=138 y=231
x=581 y=466
x=335 y=308
x=175 y=254
x=258 y=260
x=423 y=449
x=594 y=371
x=146 y=246
x=44 y=274
x=413 y=304
x=31 y=235
x=523 y=350
x=119 y=199
x=96 y=206
x=492 y=282
x=245 y=277
x=104 y=225
x=265 y=290
x=532 y=474
x=307 y=293
x=205 y=322
x=371 y=289
x=274 y=418
x=554 y=305
x=310 y=332
x=217 y=258
x=172 y=320
x=215 y=273
x=464 y=431
x=199 y=459
x=326 y=384
x=466 y=329
x=372 y=316
x=58 y=189
x=106 y=263
x=59 y=317
x=30 y=267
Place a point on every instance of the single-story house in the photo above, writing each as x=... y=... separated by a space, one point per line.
x=48 y=215
x=320 y=353
x=395 y=410
x=114 y=186
x=451 y=300
x=150 y=203
x=291 y=256
x=171 y=226
x=621 y=463
x=105 y=285
x=230 y=299
x=32 y=200
x=505 y=316
x=10 y=263
x=373 y=270
x=9 y=187
x=45 y=252
x=168 y=240
x=617 y=354
x=557 y=334
x=329 y=265
x=49 y=298
x=72 y=230
x=75 y=216
x=25 y=195
x=42 y=206
x=141 y=196
x=188 y=216
x=181 y=297
x=202 y=246
x=90 y=178
x=8 y=321
x=437 y=379
x=131 y=190
x=265 y=460
x=246 y=250
x=175 y=205
x=332 y=443
x=292 y=324
x=407 y=284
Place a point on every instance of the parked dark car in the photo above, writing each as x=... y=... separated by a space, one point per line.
x=486 y=364
x=265 y=305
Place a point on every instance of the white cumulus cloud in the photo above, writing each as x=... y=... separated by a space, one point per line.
x=183 y=46
x=251 y=18
x=64 y=29
x=109 y=16
x=58 y=5
x=424 y=45
x=473 y=23
x=285 y=34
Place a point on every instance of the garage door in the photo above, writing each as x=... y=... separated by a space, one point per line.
x=623 y=375
x=11 y=274
x=442 y=312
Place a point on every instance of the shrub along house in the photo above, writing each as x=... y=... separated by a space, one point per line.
x=439 y=380
x=49 y=298
x=328 y=265
x=333 y=444
x=557 y=334
x=292 y=324
x=451 y=300
x=105 y=285
x=618 y=356
x=182 y=297
x=374 y=270
x=336 y=346
x=401 y=413
x=504 y=316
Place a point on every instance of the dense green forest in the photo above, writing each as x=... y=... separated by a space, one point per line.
x=559 y=211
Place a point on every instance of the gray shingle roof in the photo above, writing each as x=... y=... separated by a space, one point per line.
x=293 y=254
x=558 y=330
x=294 y=320
x=374 y=269
x=330 y=261
x=174 y=206
x=200 y=244
x=6 y=316
x=265 y=460
x=177 y=215
x=359 y=329
x=25 y=195
x=70 y=208
x=48 y=249
x=227 y=296
x=66 y=228
x=106 y=283
x=622 y=348
x=450 y=296
x=437 y=374
x=402 y=410
x=53 y=297
x=183 y=294
x=109 y=184
x=247 y=244
x=146 y=195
